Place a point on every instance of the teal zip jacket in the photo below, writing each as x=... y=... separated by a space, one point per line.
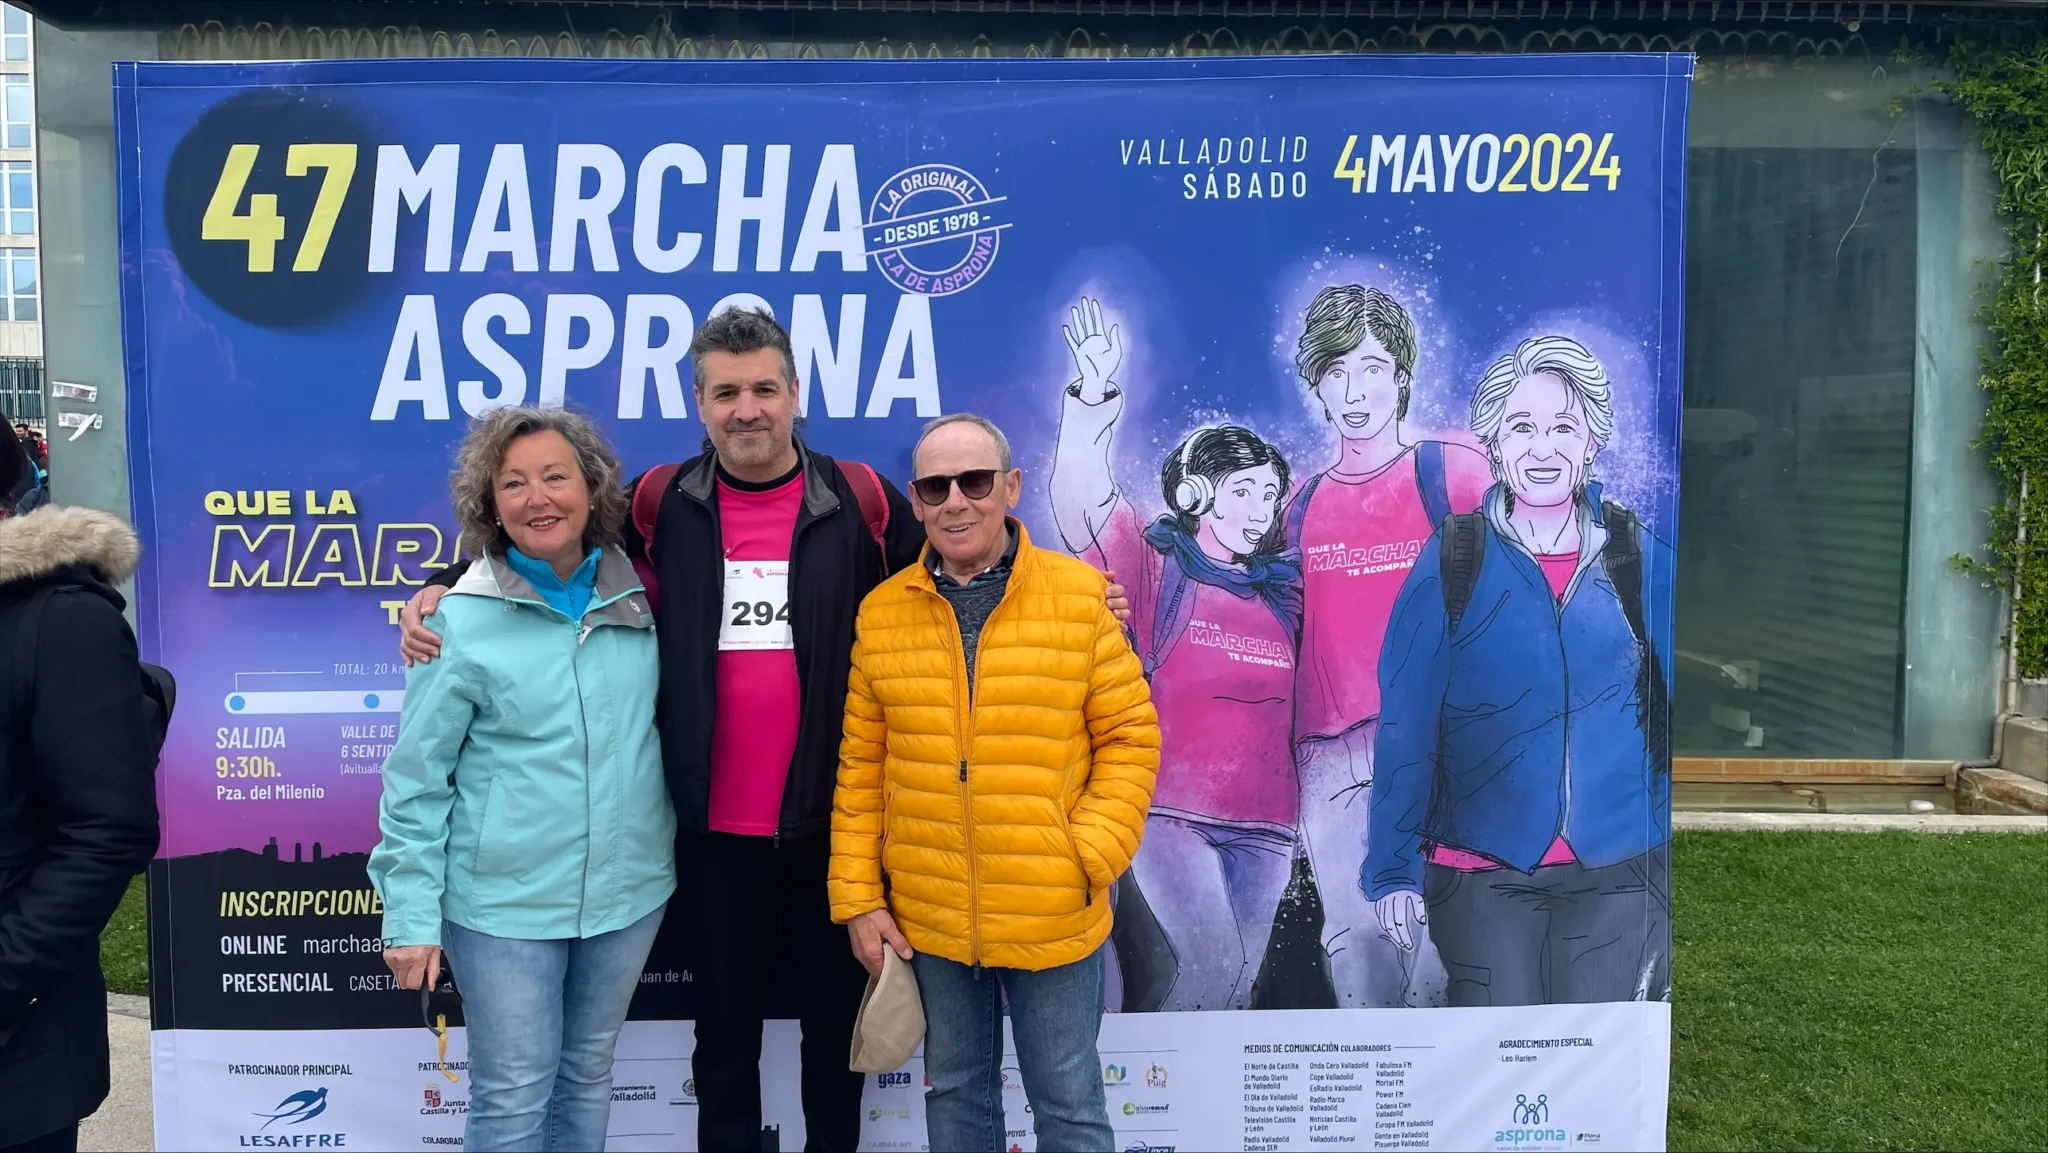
x=525 y=797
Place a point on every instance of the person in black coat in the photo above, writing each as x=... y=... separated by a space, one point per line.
x=77 y=810
x=17 y=473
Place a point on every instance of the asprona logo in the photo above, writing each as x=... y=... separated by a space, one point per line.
x=1532 y=1128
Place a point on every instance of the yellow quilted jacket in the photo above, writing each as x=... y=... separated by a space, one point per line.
x=1001 y=826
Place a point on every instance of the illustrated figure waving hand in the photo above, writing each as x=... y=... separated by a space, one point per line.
x=1216 y=601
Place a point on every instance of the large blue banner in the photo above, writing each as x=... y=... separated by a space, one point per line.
x=1361 y=372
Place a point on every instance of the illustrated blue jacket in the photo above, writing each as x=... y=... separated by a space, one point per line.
x=524 y=797
x=1524 y=724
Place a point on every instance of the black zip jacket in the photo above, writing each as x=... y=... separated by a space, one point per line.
x=833 y=564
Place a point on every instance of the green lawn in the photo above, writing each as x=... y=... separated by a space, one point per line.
x=1851 y=991
x=124 y=947
x=1833 y=990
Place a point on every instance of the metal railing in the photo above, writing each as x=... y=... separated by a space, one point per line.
x=22 y=390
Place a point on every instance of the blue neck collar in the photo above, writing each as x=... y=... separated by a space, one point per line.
x=570 y=597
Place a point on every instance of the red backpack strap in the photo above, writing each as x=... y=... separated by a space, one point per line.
x=874 y=507
x=654 y=483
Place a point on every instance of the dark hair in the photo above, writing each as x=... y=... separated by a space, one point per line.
x=740 y=330
x=1339 y=320
x=1212 y=454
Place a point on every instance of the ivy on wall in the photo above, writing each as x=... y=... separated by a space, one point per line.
x=2001 y=82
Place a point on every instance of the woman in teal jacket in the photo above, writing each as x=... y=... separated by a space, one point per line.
x=527 y=828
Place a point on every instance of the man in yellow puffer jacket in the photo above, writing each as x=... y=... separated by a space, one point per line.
x=998 y=762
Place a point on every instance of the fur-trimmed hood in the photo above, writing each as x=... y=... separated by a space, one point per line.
x=51 y=538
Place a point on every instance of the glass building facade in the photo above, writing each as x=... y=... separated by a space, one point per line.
x=1838 y=230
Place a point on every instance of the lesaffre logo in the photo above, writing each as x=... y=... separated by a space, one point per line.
x=296 y=1109
x=1532 y=1128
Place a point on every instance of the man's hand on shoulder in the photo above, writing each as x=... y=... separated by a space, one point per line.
x=1113 y=596
x=417 y=642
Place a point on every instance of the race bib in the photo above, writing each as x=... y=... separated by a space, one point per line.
x=756 y=606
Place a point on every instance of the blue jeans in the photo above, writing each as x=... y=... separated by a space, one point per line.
x=543 y=1019
x=1055 y=1015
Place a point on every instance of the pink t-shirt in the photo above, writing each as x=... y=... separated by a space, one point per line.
x=753 y=731
x=1359 y=538
x=1557 y=570
x=1224 y=693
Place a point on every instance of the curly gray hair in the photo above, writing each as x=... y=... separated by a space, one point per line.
x=475 y=478
x=1560 y=356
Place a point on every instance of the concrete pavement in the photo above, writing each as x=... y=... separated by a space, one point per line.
x=124 y=1121
x=1858 y=822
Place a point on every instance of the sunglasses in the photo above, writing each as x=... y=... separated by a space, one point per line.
x=975 y=484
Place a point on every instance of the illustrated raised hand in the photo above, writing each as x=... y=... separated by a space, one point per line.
x=1098 y=352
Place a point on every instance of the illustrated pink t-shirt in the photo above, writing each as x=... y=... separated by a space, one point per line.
x=1557 y=571
x=1224 y=692
x=753 y=731
x=1359 y=538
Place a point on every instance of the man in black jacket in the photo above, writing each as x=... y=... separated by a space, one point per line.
x=77 y=810
x=762 y=553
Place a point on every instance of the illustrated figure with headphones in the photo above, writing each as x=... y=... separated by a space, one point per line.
x=1216 y=605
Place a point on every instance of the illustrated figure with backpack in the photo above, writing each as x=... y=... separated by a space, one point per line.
x=1521 y=795
x=81 y=723
x=1216 y=595
x=1360 y=524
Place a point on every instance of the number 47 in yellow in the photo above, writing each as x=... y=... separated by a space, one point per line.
x=261 y=226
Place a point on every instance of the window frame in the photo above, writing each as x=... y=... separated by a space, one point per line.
x=26 y=37
x=26 y=83
x=11 y=300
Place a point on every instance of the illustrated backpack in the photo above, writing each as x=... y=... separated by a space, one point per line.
x=159 y=688
x=655 y=483
x=1464 y=550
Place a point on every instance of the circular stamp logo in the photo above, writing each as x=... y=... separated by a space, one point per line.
x=933 y=229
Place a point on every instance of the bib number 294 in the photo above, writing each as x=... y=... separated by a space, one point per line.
x=749 y=613
x=756 y=606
